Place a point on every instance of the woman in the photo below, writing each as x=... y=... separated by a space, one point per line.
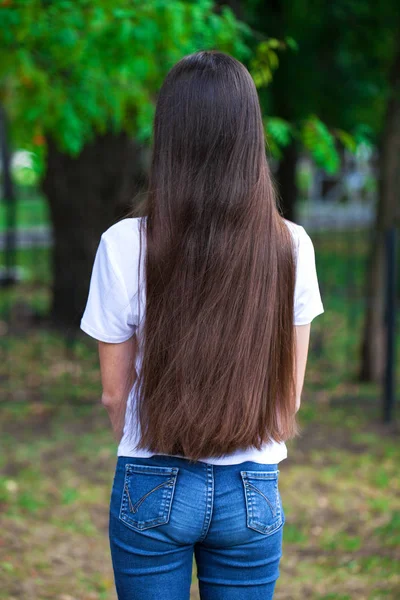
x=203 y=393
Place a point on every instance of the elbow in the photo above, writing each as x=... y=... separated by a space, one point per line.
x=114 y=396
x=110 y=400
x=298 y=403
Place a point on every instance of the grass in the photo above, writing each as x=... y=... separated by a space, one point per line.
x=339 y=485
x=342 y=500
x=31 y=211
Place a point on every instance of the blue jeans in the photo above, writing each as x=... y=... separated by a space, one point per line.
x=164 y=509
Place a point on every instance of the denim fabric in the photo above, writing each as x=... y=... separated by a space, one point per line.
x=165 y=510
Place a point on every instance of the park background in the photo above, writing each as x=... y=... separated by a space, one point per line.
x=78 y=84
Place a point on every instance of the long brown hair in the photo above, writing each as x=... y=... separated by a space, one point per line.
x=218 y=342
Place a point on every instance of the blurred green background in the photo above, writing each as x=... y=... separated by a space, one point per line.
x=78 y=85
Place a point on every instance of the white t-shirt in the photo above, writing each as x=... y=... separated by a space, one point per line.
x=112 y=313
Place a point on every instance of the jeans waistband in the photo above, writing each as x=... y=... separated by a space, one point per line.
x=166 y=460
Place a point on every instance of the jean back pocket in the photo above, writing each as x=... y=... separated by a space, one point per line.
x=147 y=495
x=263 y=503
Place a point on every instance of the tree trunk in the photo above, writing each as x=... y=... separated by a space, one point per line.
x=373 y=356
x=286 y=180
x=86 y=195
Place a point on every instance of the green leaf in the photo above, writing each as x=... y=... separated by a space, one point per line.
x=265 y=61
x=274 y=43
x=346 y=139
x=320 y=142
x=279 y=133
x=84 y=67
x=291 y=43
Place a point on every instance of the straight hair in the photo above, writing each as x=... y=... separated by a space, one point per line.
x=218 y=341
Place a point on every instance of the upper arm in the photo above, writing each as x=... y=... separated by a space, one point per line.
x=117 y=366
x=307 y=304
x=302 y=338
x=108 y=315
x=307 y=296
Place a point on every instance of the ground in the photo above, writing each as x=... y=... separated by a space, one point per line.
x=340 y=485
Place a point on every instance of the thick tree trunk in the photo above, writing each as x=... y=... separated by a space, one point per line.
x=286 y=180
x=373 y=356
x=86 y=195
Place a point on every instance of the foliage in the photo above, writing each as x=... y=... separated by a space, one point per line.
x=24 y=169
x=279 y=134
x=339 y=72
x=266 y=59
x=314 y=136
x=320 y=142
x=345 y=51
x=311 y=132
x=74 y=69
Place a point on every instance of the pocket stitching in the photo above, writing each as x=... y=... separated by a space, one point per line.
x=268 y=529
x=273 y=510
x=134 y=507
x=165 y=503
x=163 y=517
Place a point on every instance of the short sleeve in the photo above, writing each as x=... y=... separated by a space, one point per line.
x=107 y=316
x=307 y=297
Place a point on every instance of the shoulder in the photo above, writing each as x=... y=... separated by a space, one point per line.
x=296 y=229
x=123 y=234
x=123 y=239
x=123 y=247
x=299 y=234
